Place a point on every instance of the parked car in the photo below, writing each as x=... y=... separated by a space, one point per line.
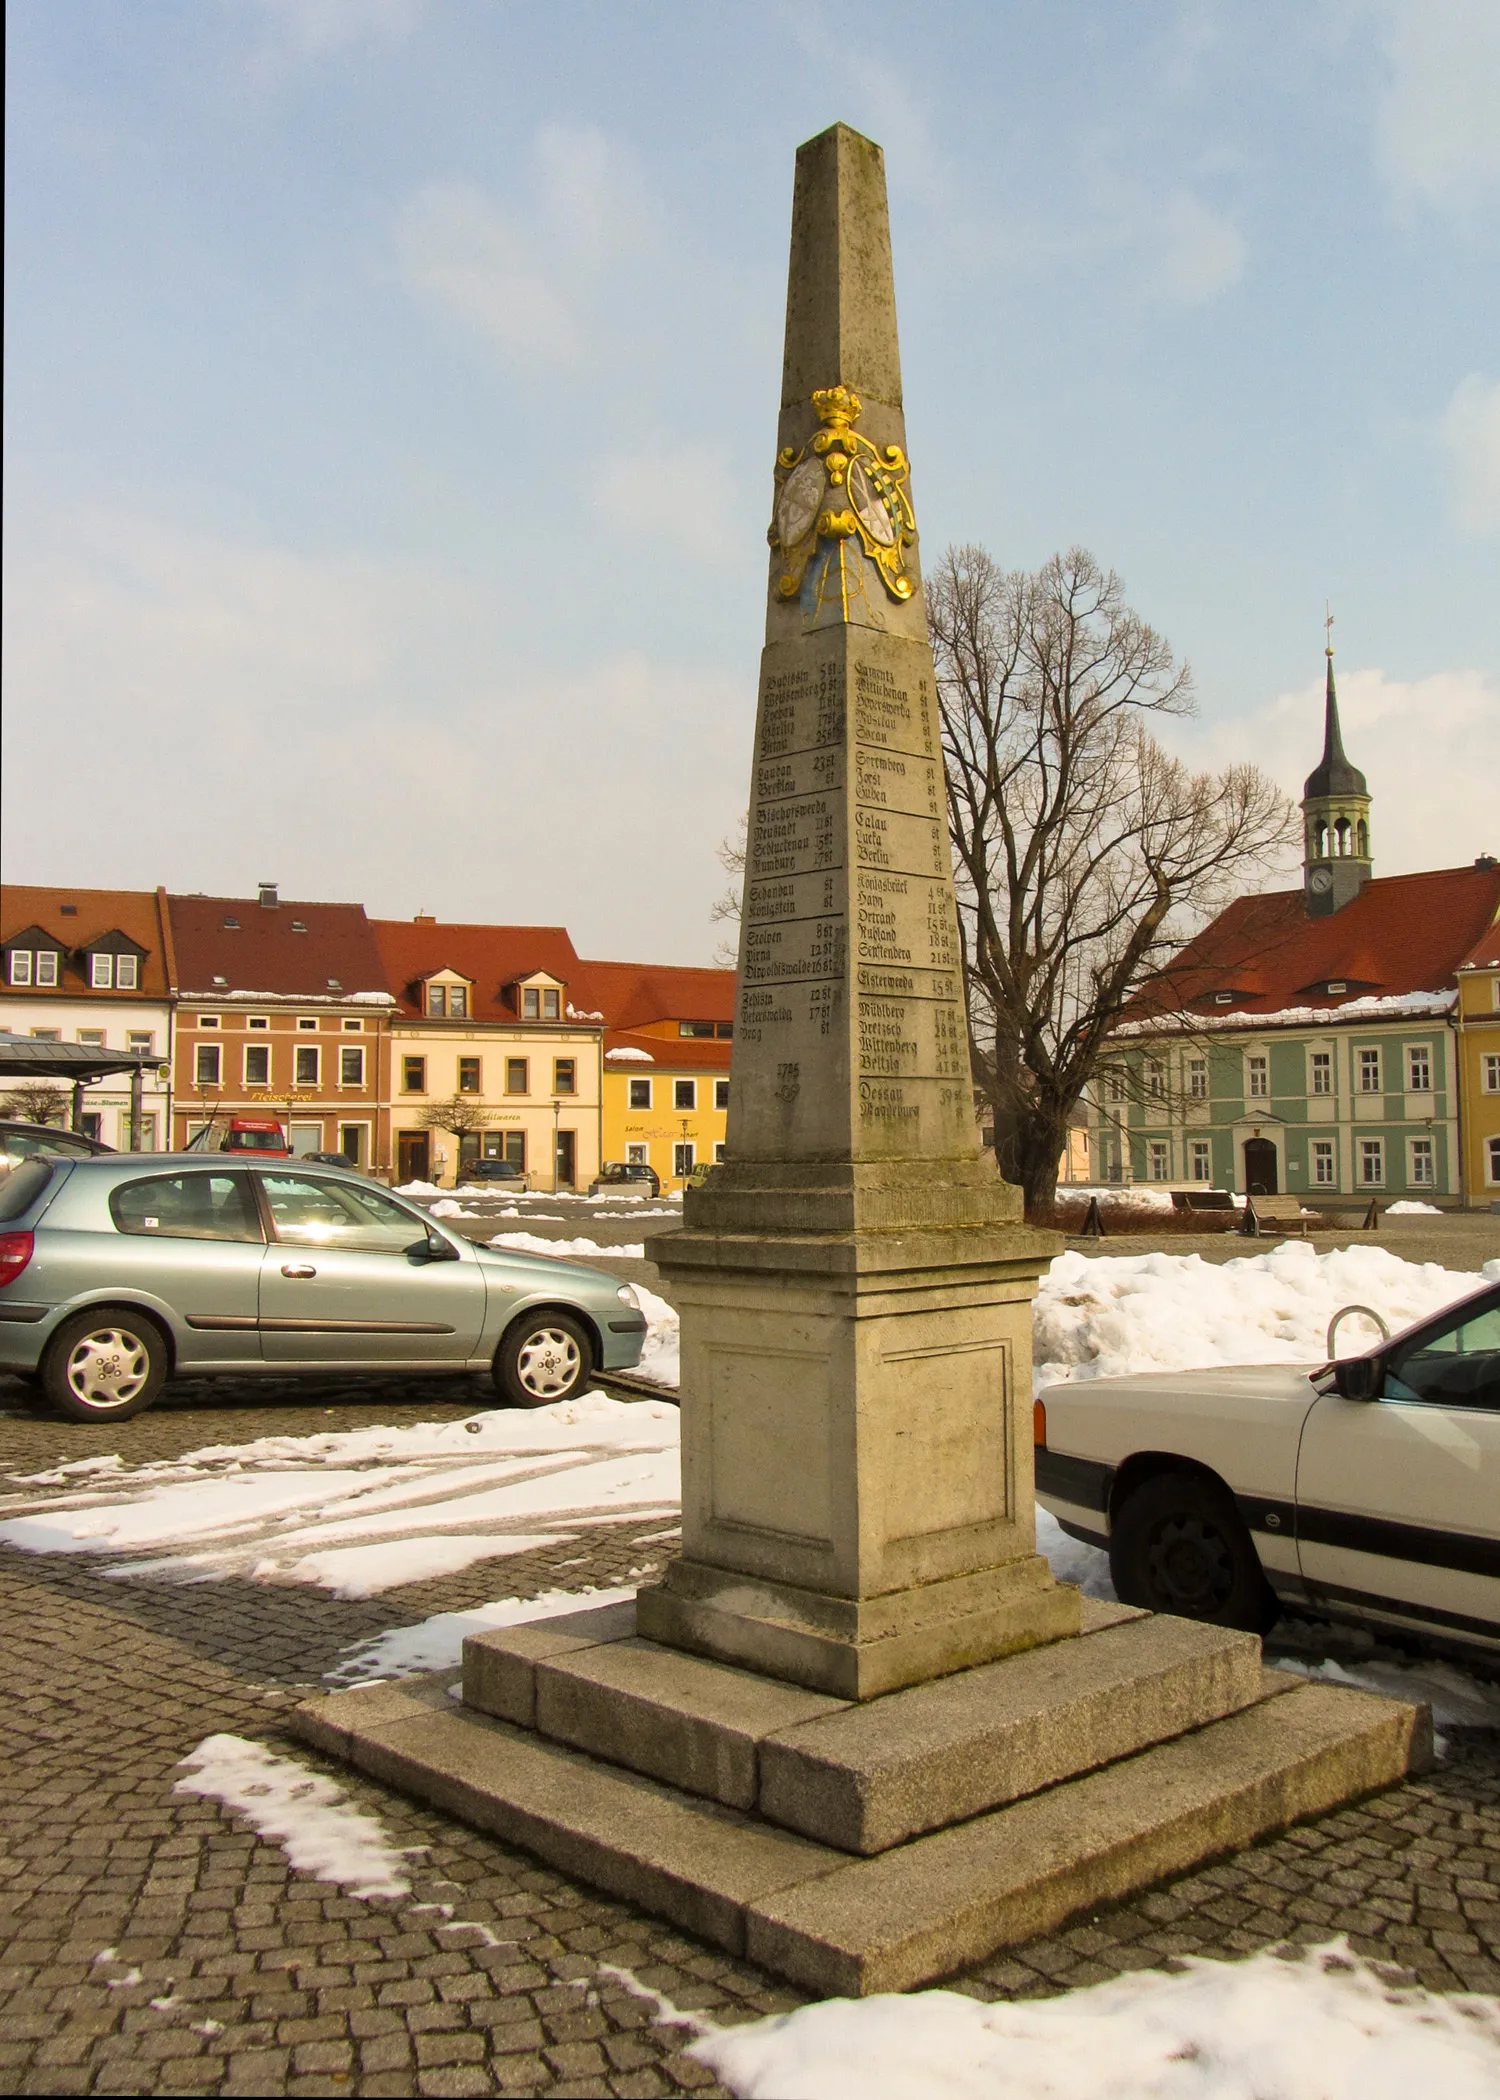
x=332 y=1159
x=117 y=1274
x=502 y=1171
x=1367 y=1489
x=20 y=1141
x=622 y=1174
x=260 y=1134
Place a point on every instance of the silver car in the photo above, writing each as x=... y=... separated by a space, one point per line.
x=117 y=1274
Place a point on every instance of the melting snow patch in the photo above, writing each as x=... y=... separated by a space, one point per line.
x=566 y=1250
x=1324 y=2027
x=1407 y=1210
x=302 y=1812
x=438 y=1643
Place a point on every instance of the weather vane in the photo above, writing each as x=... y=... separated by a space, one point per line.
x=1328 y=625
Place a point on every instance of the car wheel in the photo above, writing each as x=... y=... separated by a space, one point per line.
x=105 y=1366
x=1178 y=1545
x=545 y=1357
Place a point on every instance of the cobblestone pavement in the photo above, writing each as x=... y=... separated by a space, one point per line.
x=150 y=1943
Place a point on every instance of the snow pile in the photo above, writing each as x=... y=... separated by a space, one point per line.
x=1409 y=1210
x=447 y=1208
x=307 y=1815
x=567 y=1250
x=1107 y=1316
x=1457 y=1699
x=1137 y=1193
x=629 y=1056
x=361 y=1511
x=1370 y=1007
x=661 y=1358
x=437 y=1643
x=1327 y=2026
x=418 y=1188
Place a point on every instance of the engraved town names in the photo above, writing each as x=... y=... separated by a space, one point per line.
x=849 y=925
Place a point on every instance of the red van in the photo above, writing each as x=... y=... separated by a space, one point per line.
x=262 y=1135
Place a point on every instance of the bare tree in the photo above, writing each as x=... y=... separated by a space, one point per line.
x=461 y=1115
x=725 y=910
x=37 y=1101
x=1084 y=853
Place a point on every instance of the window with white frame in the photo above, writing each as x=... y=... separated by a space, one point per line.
x=127 y=972
x=257 y=1064
x=308 y=1023
x=1158 y=1160
x=1198 y=1078
x=1322 y=1163
x=1156 y=1079
x=354 y=1028
x=1371 y=1163
x=1491 y=1073
x=352 y=1064
x=721 y=1093
x=208 y=1020
x=1418 y=1068
x=684 y=1093
x=92 y=1038
x=1114 y=1084
x=257 y=1021
x=307 y=1064
x=638 y=1155
x=1369 y=1071
x=1258 y=1077
x=1493 y=1150
x=640 y=1093
x=1200 y=1160
x=683 y=1157
x=206 y=1059
x=21 y=960
x=1421 y=1164
x=1322 y=1071
x=140 y=1039
x=102 y=973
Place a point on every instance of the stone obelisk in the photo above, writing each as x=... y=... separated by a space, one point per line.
x=855 y=1283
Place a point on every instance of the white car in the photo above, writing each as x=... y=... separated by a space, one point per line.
x=1367 y=1489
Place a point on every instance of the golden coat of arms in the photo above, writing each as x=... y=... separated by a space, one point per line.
x=839 y=486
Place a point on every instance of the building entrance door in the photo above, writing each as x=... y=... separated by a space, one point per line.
x=565 y=1164
x=413 y=1156
x=1260 y=1167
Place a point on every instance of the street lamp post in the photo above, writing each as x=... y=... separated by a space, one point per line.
x=556 y=1163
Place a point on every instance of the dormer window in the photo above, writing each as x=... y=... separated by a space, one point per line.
x=231 y=925
x=447 y=998
x=32 y=958
x=538 y=1003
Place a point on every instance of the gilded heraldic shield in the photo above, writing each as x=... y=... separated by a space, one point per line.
x=838 y=487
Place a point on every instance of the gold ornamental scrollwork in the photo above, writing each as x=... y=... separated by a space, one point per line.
x=839 y=486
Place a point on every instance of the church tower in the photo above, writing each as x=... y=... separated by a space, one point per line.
x=1335 y=820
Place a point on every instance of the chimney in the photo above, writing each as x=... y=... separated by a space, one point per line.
x=268 y=896
x=423 y=918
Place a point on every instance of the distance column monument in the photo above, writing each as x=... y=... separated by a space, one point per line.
x=855 y=1283
x=857 y=1733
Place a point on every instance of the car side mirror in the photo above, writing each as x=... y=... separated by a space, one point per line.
x=1359 y=1378
x=433 y=1248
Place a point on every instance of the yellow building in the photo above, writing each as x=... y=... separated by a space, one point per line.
x=485 y=1025
x=666 y=1065
x=1479 y=1070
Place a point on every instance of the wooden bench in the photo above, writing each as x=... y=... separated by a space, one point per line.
x=1273 y=1210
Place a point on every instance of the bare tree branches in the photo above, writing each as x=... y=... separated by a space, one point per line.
x=1084 y=852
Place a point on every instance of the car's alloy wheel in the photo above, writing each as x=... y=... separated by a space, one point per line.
x=104 y=1366
x=544 y=1360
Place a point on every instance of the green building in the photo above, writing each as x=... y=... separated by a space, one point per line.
x=1305 y=1042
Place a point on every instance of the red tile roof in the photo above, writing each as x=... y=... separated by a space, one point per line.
x=131 y=912
x=264 y=955
x=1485 y=953
x=631 y=995
x=490 y=957
x=667 y=1053
x=1401 y=934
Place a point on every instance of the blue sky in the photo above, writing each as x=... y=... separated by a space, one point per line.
x=391 y=393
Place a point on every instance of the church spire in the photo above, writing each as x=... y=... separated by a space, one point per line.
x=1336 y=814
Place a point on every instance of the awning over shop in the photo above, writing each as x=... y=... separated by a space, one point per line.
x=29 y=1057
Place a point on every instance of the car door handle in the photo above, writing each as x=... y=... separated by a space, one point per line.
x=298 y=1268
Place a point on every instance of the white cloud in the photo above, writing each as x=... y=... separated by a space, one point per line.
x=682 y=494
x=1429 y=748
x=382 y=729
x=1204 y=252
x=315 y=27
x=527 y=275
x=1470 y=437
x=1438 y=121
